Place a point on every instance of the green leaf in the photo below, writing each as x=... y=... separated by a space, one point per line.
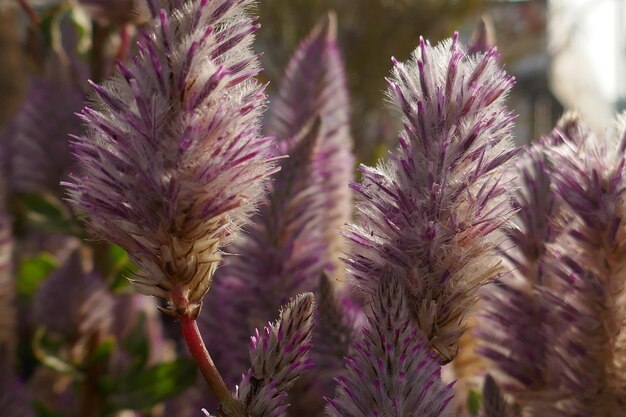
x=120 y=266
x=137 y=344
x=42 y=410
x=144 y=389
x=31 y=271
x=46 y=26
x=473 y=402
x=46 y=351
x=46 y=213
x=102 y=352
x=82 y=23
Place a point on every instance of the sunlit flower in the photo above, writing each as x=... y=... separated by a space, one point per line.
x=173 y=161
x=432 y=208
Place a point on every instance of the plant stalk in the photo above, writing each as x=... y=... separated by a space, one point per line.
x=229 y=406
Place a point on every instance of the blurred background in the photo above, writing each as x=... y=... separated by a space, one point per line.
x=564 y=53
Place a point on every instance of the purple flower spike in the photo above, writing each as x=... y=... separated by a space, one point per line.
x=391 y=371
x=289 y=244
x=280 y=255
x=590 y=355
x=515 y=324
x=74 y=304
x=173 y=162
x=279 y=355
x=431 y=210
x=315 y=84
x=35 y=146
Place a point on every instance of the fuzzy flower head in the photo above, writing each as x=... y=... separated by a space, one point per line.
x=431 y=210
x=173 y=163
x=279 y=355
x=391 y=371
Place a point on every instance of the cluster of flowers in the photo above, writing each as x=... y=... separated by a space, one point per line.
x=461 y=243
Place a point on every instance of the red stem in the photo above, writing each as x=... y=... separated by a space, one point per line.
x=122 y=51
x=28 y=10
x=229 y=405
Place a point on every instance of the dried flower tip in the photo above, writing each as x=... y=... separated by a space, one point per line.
x=569 y=129
x=493 y=404
x=483 y=37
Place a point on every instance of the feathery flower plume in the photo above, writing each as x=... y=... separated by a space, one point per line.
x=591 y=351
x=279 y=355
x=36 y=152
x=315 y=84
x=391 y=371
x=280 y=255
x=431 y=210
x=173 y=161
x=74 y=304
x=515 y=324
